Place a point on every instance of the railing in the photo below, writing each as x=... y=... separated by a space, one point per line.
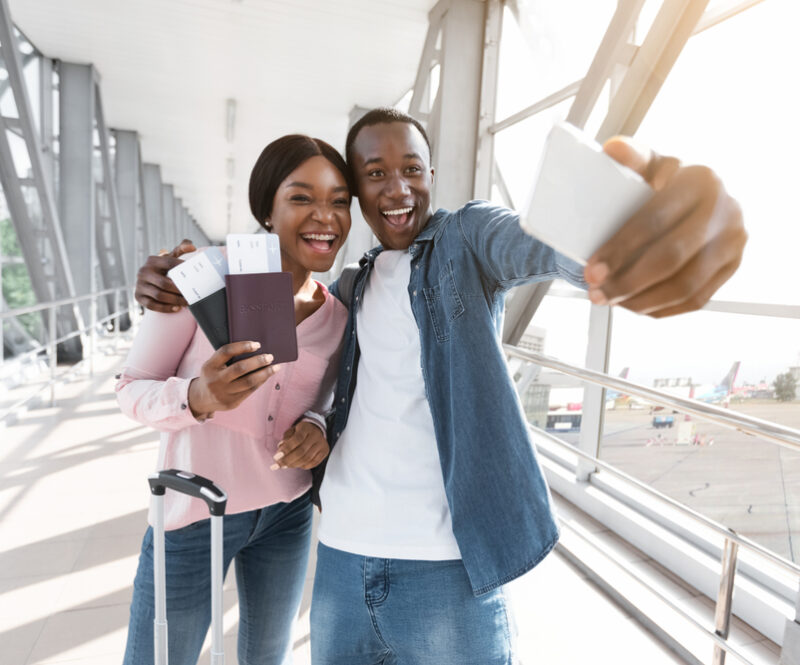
x=784 y=436
x=54 y=340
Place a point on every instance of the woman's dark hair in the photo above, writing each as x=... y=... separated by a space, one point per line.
x=278 y=160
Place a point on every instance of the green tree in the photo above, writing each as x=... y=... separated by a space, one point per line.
x=785 y=387
x=17 y=289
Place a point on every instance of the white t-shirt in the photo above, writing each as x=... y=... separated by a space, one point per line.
x=383 y=493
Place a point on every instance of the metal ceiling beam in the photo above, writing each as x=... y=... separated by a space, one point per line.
x=671 y=29
x=609 y=54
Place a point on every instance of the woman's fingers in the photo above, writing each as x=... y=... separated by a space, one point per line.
x=303 y=447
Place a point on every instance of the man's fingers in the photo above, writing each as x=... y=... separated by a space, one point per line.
x=677 y=248
x=160 y=281
x=159 y=301
x=701 y=297
x=627 y=152
x=149 y=303
x=184 y=247
x=145 y=289
x=691 y=279
x=649 y=225
x=654 y=168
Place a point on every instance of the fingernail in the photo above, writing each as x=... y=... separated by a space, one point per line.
x=278 y=455
x=597 y=297
x=268 y=357
x=175 y=308
x=254 y=346
x=597 y=273
x=275 y=467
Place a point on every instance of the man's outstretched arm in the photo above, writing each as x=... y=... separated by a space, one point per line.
x=156 y=291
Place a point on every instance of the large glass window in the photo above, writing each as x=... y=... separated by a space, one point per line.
x=728 y=107
x=551 y=46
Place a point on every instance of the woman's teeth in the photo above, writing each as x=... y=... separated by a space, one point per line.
x=319 y=241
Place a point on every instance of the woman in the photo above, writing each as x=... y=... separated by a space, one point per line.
x=236 y=424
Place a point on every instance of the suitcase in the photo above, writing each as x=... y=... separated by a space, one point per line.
x=202 y=488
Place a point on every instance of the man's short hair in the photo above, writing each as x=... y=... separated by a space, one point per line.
x=376 y=117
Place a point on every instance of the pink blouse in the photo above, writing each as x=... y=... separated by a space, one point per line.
x=233 y=448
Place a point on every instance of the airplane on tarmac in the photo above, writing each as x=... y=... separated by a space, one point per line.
x=719 y=393
x=614 y=398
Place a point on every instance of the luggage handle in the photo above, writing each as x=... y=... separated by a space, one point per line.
x=189 y=483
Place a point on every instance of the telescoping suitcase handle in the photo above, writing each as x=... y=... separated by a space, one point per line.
x=216 y=499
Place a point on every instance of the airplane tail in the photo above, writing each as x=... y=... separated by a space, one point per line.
x=730 y=378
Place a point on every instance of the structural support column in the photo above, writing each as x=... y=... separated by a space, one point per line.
x=168 y=215
x=597 y=352
x=76 y=191
x=152 y=205
x=458 y=107
x=126 y=173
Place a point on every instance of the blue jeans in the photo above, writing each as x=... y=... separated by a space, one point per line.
x=370 y=611
x=270 y=547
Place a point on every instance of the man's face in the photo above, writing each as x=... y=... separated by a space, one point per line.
x=392 y=168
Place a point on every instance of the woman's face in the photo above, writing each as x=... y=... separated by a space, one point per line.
x=311 y=215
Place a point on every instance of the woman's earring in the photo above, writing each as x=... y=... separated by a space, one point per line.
x=268 y=226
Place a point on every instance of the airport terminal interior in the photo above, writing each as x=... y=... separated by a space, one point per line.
x=671 y=446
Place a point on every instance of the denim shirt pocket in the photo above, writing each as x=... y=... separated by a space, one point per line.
x=444 y=303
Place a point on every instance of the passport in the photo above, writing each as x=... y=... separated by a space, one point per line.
x=211 y=314
x=200 y=278
x=261 y=309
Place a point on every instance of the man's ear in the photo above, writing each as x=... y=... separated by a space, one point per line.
x=431 y=174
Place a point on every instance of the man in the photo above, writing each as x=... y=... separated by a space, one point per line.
x=433 y=498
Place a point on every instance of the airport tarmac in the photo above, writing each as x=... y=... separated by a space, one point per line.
x=747 y=484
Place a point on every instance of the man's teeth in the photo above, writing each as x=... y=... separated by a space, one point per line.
x=319 y=236
x=399 y=211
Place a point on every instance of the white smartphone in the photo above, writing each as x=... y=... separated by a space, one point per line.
x=581 y=196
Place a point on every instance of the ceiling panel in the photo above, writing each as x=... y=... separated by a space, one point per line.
x=167 y=68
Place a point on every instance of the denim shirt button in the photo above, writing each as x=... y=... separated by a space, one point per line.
x=342 y=400
x=348 y=368
x=415 y=293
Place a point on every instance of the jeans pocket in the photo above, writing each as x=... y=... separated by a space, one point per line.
x=444 y=303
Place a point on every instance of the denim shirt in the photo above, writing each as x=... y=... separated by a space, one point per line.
x=462 y=265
